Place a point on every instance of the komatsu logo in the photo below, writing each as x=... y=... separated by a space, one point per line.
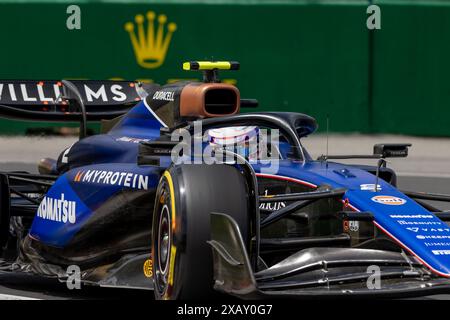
x=60 y=210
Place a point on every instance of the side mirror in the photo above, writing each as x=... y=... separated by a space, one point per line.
x=391 y=150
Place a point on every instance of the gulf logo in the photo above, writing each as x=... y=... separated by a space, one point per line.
x=389 y=200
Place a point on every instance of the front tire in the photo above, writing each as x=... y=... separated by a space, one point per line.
x=185 y=198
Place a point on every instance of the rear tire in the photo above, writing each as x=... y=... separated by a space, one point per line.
x=185 y=198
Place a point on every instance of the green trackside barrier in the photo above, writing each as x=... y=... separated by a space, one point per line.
x=411 y=86
x=296 y=55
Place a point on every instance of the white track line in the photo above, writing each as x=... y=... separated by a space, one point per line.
x=14 y=297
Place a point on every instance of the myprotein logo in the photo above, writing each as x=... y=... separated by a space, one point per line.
x=58 y=209
x=114 y=178
x=389 y=200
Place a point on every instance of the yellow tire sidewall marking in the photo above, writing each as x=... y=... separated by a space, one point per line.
x=173 y=248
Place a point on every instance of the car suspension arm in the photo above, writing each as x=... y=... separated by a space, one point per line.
x=302 y=200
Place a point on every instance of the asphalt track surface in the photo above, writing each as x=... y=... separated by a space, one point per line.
x=427 y=169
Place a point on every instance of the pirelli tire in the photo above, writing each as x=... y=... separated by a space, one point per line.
x=185 y=198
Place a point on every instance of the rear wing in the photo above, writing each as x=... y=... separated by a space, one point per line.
x=63 y=100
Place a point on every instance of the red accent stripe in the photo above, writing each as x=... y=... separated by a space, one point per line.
x=272 y=176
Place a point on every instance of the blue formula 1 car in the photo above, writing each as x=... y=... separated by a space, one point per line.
x=134 y=207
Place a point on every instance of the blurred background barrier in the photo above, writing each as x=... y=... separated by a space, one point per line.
x=310 y=56
x=411 y=67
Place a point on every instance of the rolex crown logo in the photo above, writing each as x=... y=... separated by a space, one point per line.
x=150 y=48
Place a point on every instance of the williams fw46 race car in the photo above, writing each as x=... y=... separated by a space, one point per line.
x=133 y=207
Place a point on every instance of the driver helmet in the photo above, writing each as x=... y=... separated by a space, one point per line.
x=242 y=140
